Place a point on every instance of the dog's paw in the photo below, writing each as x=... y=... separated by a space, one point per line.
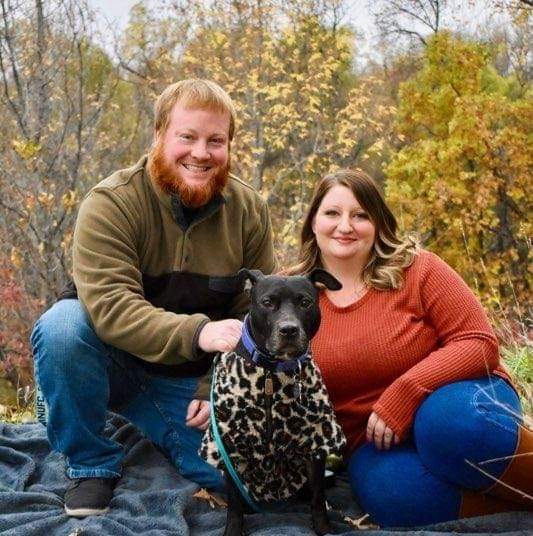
x=234 y=530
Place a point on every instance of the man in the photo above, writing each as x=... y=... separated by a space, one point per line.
x=156 y=251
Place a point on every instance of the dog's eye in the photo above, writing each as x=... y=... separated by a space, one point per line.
x=305 y=303
x=267 y=302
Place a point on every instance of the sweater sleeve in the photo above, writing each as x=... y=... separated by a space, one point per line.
x=109 y=281
x=467 y=347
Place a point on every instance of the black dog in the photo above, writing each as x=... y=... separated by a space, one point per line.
x=270 y=409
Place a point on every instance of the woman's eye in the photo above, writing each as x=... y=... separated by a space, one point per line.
x=331 y=213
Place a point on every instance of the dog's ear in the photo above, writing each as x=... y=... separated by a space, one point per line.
x=318 y=275
x=248 y=278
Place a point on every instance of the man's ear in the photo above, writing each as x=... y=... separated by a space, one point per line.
x=318 y=275
x=248 y=278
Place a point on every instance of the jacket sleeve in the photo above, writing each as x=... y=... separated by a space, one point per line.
x=107 y=274
x=258 y=255
x=467 y=348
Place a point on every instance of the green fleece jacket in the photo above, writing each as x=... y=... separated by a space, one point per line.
x=151 y=276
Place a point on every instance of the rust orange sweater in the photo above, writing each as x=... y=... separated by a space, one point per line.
x=391 y=349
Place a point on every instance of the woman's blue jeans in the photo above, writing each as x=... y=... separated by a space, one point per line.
x=79 y=378
x=459 y=427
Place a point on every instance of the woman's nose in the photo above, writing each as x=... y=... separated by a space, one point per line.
x=345 y=224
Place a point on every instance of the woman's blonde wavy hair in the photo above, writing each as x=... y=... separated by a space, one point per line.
x=390 y=255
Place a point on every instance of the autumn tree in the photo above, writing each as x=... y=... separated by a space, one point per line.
x=462 y=178
x=60 y=133
x=55 y=89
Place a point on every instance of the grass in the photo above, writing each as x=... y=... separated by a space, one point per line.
x=16 y=405
x=519 y=362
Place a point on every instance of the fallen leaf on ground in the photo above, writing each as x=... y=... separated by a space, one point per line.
x=361 y=523
x=212 y=498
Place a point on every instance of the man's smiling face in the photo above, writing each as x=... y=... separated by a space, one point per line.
x=191 y=158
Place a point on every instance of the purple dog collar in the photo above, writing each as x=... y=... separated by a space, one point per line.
x=266 y=360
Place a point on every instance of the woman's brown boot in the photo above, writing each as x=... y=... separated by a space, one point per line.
x=516 y=483
x=475 y=503
x=514 y=489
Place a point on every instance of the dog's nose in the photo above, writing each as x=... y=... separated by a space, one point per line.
x=288 y=330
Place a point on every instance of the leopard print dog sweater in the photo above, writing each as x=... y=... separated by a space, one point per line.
x=302 y=424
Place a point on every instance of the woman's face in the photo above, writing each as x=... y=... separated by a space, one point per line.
x=342 y=228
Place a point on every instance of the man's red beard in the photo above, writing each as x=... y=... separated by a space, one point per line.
x=171 y=181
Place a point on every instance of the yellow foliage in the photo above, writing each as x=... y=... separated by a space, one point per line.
x=26 y=149
x=69 y=200
x=16 y=258
x=67 y=240
x=30 y=202
x=46 y=199
x=463 y=179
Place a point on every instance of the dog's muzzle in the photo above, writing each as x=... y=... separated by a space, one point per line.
x=288 y=340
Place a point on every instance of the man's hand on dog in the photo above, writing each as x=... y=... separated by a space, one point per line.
x=221 y=336
x=198 y=414
x=379 y=433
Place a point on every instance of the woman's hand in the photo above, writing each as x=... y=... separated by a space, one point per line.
x=379 y=433
x=198 y=414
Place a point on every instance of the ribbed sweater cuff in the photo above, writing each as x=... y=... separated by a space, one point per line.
x=398 y=404
x=196 y=351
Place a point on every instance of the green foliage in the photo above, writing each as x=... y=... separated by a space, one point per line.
x=462 y=178
x=519 y=361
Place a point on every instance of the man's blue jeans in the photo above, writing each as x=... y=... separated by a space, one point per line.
x=79 y=378
x=458 y=427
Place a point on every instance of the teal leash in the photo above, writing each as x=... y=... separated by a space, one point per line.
x=222 y=451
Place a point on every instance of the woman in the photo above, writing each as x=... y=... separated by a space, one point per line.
x=412 y=367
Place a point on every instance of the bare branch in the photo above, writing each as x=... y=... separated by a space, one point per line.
x=22 y=215
x=41 y=83
x=17 y=108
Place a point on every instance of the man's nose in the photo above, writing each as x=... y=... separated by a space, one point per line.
x=199 y=150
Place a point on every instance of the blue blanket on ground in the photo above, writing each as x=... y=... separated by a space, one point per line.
x=152 y=499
